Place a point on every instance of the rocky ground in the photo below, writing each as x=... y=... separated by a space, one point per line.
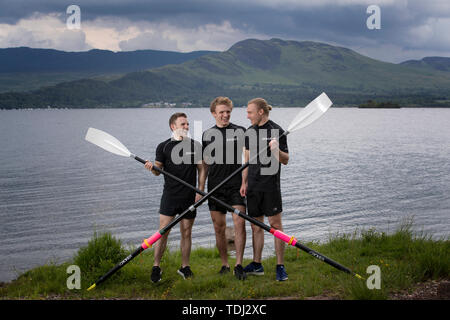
x=429 y=290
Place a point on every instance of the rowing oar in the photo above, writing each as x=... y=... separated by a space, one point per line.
x=111 y=144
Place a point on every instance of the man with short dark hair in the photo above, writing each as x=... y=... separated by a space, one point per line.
x=181 y=157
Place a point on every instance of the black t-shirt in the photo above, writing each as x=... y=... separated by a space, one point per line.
x=262 y=175
x=222 y=152
x=179 y=158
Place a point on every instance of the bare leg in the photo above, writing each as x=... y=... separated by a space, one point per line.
x=186 y=240
x=160 y=246
x=275 y=222
x=220 y=223
x=239 y=235
x=258 y=240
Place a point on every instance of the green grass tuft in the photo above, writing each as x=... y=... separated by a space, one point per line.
x=102 y=253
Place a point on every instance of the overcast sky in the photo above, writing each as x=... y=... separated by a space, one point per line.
x=408 y=29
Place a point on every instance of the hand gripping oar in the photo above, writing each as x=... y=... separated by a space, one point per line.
x=109 y=143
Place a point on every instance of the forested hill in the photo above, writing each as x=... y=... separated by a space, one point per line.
x=27 y=69
x=286 y=73
x=24 y=59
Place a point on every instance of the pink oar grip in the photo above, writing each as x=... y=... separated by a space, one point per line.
x=283 y=236
x=150 y=241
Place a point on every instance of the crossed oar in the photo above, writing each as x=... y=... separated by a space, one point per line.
x=314 y=110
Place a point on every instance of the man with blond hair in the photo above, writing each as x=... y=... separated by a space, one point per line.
x=222 y=155
x=261 y=181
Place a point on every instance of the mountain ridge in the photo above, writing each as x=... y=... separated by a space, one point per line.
x=435 y=63
x=25 y=69
x=285 y=72
x=25 y=59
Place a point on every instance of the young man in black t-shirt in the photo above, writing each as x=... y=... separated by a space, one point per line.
x=261 y=181
x=181 y=157
x=222 y=153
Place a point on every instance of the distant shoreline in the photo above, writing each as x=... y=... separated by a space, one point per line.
x=206 y=107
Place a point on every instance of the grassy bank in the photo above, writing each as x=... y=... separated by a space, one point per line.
x=405 y=258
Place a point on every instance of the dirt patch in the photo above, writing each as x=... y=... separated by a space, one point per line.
x=429 y=290
x=323 y=297
x=327 y=295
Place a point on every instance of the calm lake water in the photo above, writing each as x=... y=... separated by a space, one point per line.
x=352 y=169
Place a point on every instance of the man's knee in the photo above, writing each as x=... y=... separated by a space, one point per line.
x=239 y=225
x=256 y=229
x=186 y=229
x=275 y=222
x=220 y=228
x=219 y=222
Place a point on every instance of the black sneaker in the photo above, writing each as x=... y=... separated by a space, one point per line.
x=224 y=270
x=239 y=272
x=185 y=272
x=254 y=268
x=281 y=273
x=156 y=274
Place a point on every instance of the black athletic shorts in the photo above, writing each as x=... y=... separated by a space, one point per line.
x=263 y=203
x=231 y=196
x=172 y=206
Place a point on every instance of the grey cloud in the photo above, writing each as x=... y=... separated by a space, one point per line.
x=335 y=22
x=148 y=40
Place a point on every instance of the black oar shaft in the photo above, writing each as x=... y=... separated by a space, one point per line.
x=260 y=224
x=203 y=193
x=117 y=267
x=210 y=193
x=158 y=234
x=323 y=258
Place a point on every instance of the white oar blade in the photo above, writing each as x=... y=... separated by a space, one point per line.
x=314 y=110
x=107 y=142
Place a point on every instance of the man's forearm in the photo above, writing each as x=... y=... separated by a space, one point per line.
x=202 y=173
x=245 y=171
x=283 y=157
